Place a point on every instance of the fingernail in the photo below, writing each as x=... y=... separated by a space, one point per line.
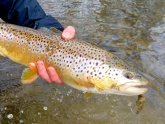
x=40 y=62
x=66 y=34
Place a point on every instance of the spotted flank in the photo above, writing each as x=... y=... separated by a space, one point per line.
x=79 y=64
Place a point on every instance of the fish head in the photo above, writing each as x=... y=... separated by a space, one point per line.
x=126 y=80
x=129 y=83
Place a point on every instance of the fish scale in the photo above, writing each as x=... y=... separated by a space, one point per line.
x=82 y=65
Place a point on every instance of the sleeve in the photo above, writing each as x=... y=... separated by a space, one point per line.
x=27 y=13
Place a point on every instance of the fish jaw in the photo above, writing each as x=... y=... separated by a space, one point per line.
x=133 y=88
x=127 y=89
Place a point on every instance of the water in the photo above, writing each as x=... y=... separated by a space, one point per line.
x=132 y=29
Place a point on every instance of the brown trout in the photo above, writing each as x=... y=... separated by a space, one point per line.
x=79 y=64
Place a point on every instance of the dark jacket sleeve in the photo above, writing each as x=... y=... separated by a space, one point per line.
x=27 y=13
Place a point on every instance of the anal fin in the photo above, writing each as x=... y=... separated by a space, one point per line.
x=29 y=75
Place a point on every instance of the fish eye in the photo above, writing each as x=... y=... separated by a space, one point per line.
x=129 y=75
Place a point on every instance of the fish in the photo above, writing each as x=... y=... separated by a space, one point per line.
x=79 y=64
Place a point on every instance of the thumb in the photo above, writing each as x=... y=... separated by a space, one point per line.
x=68 y=33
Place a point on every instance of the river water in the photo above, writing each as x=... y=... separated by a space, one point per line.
x=132 y=29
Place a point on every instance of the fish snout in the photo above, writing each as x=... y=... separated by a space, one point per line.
x=134 y=88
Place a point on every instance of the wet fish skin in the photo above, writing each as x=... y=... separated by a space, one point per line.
x=79 y=64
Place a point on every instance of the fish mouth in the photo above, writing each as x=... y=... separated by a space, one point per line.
x=131 y=89
x=141 y=86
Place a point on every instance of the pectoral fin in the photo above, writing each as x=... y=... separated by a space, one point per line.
x=28 y=76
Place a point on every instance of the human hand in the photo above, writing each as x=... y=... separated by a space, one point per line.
x=49 y=74
x=68 y=33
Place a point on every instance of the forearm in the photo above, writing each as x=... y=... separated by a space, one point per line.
x=26 y=13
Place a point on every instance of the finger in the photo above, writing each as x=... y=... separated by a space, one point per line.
x=53 y=75
x=42 y=71
x=68 y=33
